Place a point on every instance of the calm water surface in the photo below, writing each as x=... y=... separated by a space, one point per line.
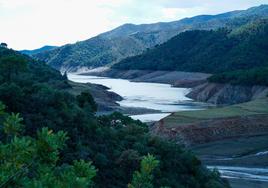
x=155 y=96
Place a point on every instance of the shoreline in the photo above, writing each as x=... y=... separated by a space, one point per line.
x=174 y=78
x=102 y=94
x=200 y=151
x=107 y=101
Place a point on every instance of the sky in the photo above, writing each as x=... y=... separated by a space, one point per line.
x=30 y=24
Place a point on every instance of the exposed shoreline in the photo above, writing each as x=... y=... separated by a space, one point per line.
x=174 y=78
x=107 y=100
x=202 y=90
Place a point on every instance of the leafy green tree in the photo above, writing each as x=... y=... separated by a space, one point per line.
x=256 y=76
x=12 y=125
x=144 y=177
x=85 y=100
x=11 y=65
x=2 y=109
x=32 y=162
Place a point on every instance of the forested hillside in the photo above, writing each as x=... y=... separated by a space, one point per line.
x=130 y=40
x=251 y=77
x=218 y=51
x=39 y=50
x=117 y=146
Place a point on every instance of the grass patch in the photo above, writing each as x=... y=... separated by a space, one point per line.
x=187 y=117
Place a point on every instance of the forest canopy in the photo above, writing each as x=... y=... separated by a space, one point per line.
x=215 y=52
x=115 y=145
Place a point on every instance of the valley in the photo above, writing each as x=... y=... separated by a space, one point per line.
x=176 y=104
x=144 y=100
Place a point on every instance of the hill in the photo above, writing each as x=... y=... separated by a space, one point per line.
x=130 y=40
x=115 y=144
x=39 y=50
x=256 y=76
x=207 y=51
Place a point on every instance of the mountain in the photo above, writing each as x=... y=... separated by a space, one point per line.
x=130 y=40
x=198 y=22
x=213 y=51
x=39 y=50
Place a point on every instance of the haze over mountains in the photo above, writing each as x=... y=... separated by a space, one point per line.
x=131 y=40
x=39 y=50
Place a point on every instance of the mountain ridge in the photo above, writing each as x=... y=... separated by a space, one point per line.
x=206 y=51
x=129 y=39
x=38 y=50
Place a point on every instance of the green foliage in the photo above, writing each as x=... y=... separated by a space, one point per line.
x=85 y=100
x=2 y=108
x=29 y=162
x=131 y=40
x=144 y=177
x=237 y=57
x=257 y=76
x=12 y=125
x=50 y=143
x=10 y=65
x=207 y=51
x=115 y=143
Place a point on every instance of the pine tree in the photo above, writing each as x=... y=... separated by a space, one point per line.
x=144 y=177
x=32 y=162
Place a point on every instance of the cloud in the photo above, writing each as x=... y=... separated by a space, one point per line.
x=33 y=23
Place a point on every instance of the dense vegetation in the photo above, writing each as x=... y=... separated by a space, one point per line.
x=39 y=50
x=258 y=76
x=236 y=56
x=32 y=162
x=115 y=144
x=129 y=39
x=207 y=51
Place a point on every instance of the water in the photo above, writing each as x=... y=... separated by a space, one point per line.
x=154 y=96
x=252 y=174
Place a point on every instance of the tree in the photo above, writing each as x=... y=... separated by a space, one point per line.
x=85 y=100
x=144 y=177
x=11 y=65
x=32 y=162
x=114 y=142
x=12 y=126
x=4 y=45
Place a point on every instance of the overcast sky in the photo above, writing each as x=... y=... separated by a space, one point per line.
x=29 y=24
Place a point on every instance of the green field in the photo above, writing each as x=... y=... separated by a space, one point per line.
x=256 y=107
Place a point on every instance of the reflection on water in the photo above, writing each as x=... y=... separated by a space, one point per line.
x=252 y=174
x=155 y=96
x=150 y=117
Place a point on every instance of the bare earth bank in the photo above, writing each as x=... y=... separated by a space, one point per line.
x=175 y=78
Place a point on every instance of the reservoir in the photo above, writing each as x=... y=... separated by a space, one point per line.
x=162 y=97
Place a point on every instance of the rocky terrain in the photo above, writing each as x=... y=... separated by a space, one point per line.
x=175 y=78
x=198 y=127
x=234 y=139
x=227 y=94
x=210 y=130
x=105 y=99
x=202 y=91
